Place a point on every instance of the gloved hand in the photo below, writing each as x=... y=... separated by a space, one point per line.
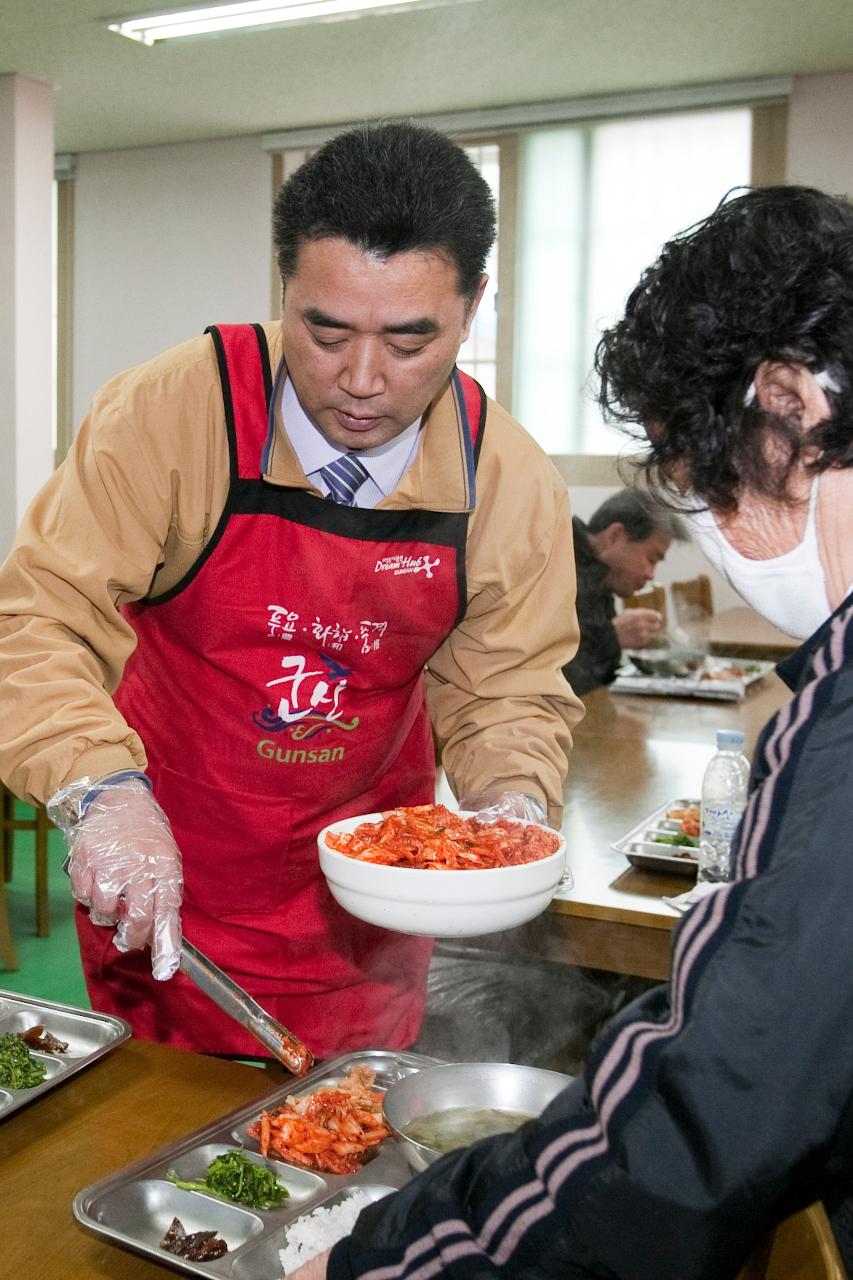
x=124 y=864
x=488 y=806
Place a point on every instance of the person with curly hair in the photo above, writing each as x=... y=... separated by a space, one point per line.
x=721 y=1102
x=734 y=358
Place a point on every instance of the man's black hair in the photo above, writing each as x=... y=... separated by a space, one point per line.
x=640 y=516
x=389 y=188
x=768 y=276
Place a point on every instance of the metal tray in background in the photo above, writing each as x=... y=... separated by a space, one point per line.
x=133 y=1208
x=641 y=849
x=700 y=684
x=89 y=1036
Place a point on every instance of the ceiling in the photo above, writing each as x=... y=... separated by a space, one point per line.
x=112 y=92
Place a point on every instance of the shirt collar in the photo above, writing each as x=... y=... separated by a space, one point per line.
x=384 y=464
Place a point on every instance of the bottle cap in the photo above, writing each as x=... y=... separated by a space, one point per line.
x=729 y=738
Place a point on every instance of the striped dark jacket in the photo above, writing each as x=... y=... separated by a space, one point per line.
x=714 y=1105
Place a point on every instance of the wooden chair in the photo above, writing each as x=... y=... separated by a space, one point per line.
x=40 y=825
x=651 y=598
x=692 y=599
x=8 y=955
x=801 y=1248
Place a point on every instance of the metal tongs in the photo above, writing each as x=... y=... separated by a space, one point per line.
x=240 y=1006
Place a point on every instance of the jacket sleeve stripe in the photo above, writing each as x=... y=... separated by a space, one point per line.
x=587 y=1144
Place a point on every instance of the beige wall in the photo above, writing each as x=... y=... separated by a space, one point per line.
x=167 y=241
x=26 y=177
x=820 y=128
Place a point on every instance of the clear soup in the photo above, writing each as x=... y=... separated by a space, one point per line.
x=460 y=1126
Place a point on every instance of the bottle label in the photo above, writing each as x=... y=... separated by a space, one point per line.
x=719 y=820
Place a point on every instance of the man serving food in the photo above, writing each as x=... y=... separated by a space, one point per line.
x=277 y=561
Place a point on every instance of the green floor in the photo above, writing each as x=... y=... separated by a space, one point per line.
x=48 y=967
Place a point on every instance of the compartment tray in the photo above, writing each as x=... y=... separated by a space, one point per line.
x=133 y=1208
x=721 y=689
x=89 y=1036
x=643 y=851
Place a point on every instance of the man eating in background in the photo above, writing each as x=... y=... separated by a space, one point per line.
x=616 y=554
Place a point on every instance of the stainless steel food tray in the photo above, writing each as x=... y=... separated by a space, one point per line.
x=89 y=1036
x=706 y=683
x=642 y=849
x=134 y=1208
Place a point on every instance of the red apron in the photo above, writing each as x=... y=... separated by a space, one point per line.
x=278 y=687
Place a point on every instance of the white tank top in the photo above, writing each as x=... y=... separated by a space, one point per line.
x=789 y=590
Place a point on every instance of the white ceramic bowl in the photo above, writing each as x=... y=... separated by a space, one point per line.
x=438 y=904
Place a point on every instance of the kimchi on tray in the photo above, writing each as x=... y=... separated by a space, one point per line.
x=331 y=1129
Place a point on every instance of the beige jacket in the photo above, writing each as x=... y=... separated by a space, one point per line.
x=135 y=502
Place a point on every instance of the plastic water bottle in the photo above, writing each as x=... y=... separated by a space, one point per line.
x=723 y=801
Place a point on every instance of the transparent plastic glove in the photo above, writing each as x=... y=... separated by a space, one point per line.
x=488 y=806
x=124 y=864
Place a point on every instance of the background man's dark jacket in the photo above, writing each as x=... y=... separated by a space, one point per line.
x=599 y=654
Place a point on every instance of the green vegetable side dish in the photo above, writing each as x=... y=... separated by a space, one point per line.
x=233 y=1176
x=691 y=842
x=18 y=1068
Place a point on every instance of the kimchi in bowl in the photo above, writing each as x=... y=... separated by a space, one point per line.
x=439 y=899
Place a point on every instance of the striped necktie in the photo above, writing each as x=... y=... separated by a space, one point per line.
x=344 y=477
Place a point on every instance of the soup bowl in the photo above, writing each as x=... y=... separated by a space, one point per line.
x=472 y=1086
x=439 y=904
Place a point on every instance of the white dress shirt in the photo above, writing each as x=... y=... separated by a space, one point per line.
x=385 y=464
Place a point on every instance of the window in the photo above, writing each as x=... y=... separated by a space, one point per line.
x=596 y=202
x=478 y=355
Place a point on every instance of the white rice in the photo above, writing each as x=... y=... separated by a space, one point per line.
x=320 y=1229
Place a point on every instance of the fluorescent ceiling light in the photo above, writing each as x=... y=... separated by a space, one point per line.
x=254 y=13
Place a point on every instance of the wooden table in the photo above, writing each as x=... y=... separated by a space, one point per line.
x=631 y=754
x=125 y=1106
x=743 y=633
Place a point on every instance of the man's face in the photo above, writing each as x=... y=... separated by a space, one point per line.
x=368 y=342
x=631 y=564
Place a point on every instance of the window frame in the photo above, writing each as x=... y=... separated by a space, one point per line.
x=64 y=302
